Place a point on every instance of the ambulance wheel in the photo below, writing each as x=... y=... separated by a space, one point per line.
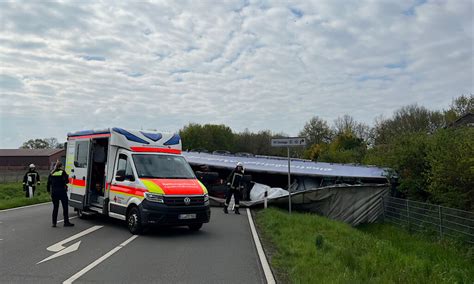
x=195 y=227
x=134 y=221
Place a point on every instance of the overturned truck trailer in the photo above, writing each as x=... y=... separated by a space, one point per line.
x=348 y=193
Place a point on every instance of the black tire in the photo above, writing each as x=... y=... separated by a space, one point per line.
x=195 y=227
x=134 y=221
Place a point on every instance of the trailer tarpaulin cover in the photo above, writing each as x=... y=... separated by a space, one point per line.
x=280 y=166
x=352 y=204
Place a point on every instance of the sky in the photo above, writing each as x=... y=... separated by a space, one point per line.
x=256 y=65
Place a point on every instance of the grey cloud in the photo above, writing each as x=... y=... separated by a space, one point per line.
x=42 y=18
x=10 y=83
x=93 y=58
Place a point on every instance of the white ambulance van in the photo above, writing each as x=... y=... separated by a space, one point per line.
x=134 y=175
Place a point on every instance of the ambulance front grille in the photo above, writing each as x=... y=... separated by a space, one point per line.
x=179 y=200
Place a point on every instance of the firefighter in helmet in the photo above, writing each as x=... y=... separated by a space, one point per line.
x=235 y=183
x=30 y=180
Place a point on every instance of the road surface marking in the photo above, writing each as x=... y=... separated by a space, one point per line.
x=62 y=250
x=59 y=246
x=98 y=261
x=69 y=249
x=69 y=219
x=261 y=253
x=22 y=207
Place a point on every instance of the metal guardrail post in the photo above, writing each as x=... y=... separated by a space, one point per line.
x=440 y=222
x=408 y=214
x=383 y=207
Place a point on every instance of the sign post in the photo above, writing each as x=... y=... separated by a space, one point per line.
x=289 y=142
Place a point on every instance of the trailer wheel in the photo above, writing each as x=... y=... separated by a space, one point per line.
x=134 y=221
x=195 y=227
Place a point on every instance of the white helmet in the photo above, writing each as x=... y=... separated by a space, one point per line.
x=239 y=164
x=32 y=166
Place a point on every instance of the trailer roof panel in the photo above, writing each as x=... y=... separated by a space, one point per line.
x=279 y=165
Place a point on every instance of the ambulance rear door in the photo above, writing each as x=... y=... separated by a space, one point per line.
x=80 y=152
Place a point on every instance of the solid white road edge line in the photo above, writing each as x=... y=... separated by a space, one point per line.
x=98 y=261
x=23 y=207
x=261 y=254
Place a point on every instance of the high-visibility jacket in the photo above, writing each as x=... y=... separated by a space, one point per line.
x=57 y=182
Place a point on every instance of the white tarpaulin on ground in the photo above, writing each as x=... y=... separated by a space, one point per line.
x=258 y=192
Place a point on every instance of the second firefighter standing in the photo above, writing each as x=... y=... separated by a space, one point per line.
x=235 y=183
x=30 y=180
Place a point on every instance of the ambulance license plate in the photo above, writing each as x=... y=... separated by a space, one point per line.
x=186 y=216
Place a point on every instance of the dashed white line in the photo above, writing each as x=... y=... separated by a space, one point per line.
x=261 y=254
x=98 y=261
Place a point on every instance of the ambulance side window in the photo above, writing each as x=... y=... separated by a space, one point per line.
x=124 y=169
x=80 y=156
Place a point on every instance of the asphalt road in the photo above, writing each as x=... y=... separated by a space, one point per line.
x=102 y=250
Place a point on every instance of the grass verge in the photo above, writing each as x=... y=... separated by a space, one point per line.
x=306 y=248
x=12 y=195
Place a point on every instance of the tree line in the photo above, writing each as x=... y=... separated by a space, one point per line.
x=434 y=162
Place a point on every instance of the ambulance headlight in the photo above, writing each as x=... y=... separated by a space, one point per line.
x=206 y=197
x=153 y=197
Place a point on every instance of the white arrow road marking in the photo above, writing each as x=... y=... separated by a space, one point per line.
x=69 y=249
x=62 y=250
x=59 y=246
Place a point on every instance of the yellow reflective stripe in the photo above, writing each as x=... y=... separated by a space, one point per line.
x=152 y=187
x=204 y=189
x=57 y=174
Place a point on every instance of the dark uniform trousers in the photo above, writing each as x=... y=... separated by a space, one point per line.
x=236 y=193
x=56 y=198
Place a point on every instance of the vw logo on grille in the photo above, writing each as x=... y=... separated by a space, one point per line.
x=187 y=201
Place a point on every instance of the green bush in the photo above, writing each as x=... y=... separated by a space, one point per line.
x=450 y=179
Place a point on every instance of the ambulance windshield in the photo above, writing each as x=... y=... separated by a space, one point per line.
x=162 y=166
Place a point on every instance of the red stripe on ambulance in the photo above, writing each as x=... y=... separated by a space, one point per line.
x=128 y=190
x=156 y=150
